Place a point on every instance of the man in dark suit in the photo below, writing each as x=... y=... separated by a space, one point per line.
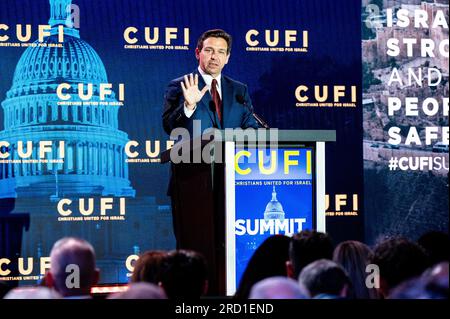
x=213 y=101
x=217 y=101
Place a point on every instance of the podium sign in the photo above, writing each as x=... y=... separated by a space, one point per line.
x=271 y=182
x=268 y=192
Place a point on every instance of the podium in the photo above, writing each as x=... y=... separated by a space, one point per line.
x=231 y=189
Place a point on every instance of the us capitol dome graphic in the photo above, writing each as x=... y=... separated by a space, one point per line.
x=274 y=209
x=94 y=164
x=94 y=160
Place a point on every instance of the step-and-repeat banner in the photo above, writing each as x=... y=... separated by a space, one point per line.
x=82 y=85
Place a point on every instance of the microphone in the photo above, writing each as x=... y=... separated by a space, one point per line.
x=241 y=100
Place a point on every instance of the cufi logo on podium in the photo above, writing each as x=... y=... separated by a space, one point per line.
x=268 y=165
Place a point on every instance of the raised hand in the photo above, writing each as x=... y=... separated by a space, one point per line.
x=192 y=95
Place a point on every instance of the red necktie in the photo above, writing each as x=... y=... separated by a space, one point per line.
x=216 y=99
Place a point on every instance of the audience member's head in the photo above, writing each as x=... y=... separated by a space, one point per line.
x=268 y=260
x=70 y=257
x=184 y=274
x=32 y=293
x=354 y=256
x=148 y=267
x=433 y=284
x=324 y=279
x=398 y=259
x=306 y=247
x=140 y=290
x=276 y=288
x=436 y=245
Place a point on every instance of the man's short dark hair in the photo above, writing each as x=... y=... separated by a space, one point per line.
x=216 y=33
x=308 y=246
x=184 y=274
x=399 y=259
x=148 y=267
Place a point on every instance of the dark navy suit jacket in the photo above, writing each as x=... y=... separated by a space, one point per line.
x=234 y=113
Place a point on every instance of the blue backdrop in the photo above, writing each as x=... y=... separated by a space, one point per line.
x=333 y=58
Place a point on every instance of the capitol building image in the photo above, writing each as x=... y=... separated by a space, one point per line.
x=94 y=164
x=274 y=209
x=94 y=160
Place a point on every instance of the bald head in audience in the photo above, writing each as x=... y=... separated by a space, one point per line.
x=72 y=267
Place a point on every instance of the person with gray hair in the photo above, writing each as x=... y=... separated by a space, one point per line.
x=324 y=279
x=72 y=268
x=276 y=288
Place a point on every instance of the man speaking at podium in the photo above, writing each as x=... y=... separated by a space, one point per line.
x=206 y=95
x=214 y=101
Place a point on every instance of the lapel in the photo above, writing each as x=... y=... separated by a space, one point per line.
x=227 y=99
x=207 y=100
